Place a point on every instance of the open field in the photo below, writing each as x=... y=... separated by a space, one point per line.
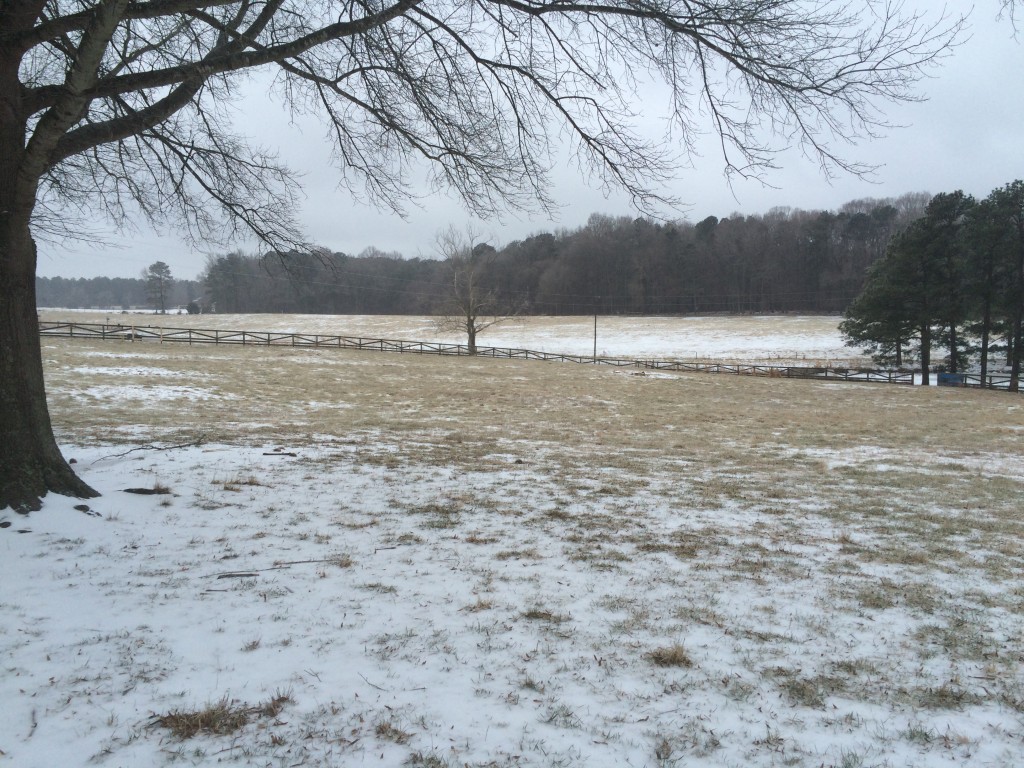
x=782 y=339
x=500 y=563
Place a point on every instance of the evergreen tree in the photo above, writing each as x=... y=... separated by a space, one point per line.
x=1008 y=204
x=876 y=320
x=919 y=285
x=987 y=274
x=158 y=285
x=945 y=223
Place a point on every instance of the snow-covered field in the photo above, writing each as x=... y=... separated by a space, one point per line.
x=787 y=339
x=377 y=559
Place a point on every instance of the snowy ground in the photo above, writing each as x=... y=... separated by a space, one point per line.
x=787 y=339
x=501 y=563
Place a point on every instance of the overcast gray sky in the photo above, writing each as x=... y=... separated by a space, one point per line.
x=968 y=135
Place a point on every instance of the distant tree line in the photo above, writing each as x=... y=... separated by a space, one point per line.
x=113 y=293
x=784 y=261
x=954 y=280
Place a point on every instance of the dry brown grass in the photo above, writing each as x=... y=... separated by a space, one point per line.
x=293 y=396
x=387 y=730
x=670 y=656
x=875 y=458
x=220 y=717
x=542 y=614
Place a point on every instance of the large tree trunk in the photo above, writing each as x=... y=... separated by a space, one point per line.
x=30 y=462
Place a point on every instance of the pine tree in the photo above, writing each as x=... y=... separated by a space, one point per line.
x=158 y=285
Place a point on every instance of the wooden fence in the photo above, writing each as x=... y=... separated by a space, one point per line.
x=991 y=381
x=275 y=338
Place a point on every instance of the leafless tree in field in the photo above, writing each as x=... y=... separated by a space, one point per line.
x=471 y=306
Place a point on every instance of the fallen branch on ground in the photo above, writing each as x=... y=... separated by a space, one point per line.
x=275 y=567
x=150 y=447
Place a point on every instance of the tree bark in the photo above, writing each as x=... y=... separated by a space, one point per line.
x=31 y=465
x=954 y=348
x=986 y=326
x=986 y=314
x=1017 y=339
x=926 y=355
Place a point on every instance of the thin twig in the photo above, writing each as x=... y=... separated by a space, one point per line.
x=275 y=567
x=285 y=563
x=195 y=443
x=372 y=685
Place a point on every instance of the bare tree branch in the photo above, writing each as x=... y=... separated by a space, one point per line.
x=485 y=92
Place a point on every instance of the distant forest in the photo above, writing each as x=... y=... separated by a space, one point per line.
x=110 y=293
x=786 y=260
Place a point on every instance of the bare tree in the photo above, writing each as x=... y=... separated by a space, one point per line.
x=470 y=307
x=122 y=107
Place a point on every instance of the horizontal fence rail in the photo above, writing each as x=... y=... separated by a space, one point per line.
x=277 y=338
